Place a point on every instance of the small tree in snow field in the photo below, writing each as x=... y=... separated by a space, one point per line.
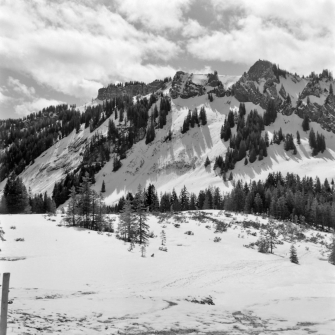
x=271 y=235
x=163 y=237
x=293 y=255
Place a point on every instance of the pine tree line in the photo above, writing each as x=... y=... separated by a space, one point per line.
x=210 y=198
x=302 y=200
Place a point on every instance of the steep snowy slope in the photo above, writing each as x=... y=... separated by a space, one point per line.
x=172 y=164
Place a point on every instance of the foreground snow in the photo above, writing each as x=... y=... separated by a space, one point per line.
x=75 y=281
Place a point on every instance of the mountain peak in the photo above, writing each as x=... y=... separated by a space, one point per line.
x=261 y=69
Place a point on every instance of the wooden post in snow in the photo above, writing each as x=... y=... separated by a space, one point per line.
x=4 y=303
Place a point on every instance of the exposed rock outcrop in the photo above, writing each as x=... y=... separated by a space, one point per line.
x=245 y=90
x=131 y=89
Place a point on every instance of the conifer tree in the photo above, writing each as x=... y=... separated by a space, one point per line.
x=184 y=199
x=230 y=119
x=298 y=137
x=141 y=216
x=271 y=235
x=305 y=123
x=163 y=237
x=85 y=200
x=226 y=131
x=203 y=116
x=293 y=255
x=116 y=163
x=195 y=117
x=193 y=202
x=72 y=208
x=207 y=162
x=312 y=139
x=103 y=187
x=252 y=155
x=150 y=135
x=127 y=227
x=103 y=223
x=16 y=195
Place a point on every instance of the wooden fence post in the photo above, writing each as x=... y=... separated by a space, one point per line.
x=4 y=303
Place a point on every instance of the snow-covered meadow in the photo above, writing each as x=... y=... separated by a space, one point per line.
x=75 y=281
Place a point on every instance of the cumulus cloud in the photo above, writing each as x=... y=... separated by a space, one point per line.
x=20 y=88
x=26 y=100
x=300 y=36
x=193 y=28
x=34 y=106
x=153 y=14
x=78 y=47
x=4 y=98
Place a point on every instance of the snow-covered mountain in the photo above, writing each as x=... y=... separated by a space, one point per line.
x=179 y=162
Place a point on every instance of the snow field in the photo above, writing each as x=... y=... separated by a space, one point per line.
x=80 y=282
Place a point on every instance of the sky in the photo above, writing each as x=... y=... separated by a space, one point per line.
x=54 y=51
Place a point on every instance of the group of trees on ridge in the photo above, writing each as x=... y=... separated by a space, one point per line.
x=193 y=118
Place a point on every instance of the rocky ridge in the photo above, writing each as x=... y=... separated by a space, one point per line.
x=113 y=91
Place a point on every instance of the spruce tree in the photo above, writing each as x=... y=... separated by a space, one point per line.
x=127 y=227
x=141 y=216
x=184 y=199
x=312 y=139
x=298 y=137
x=103 y=187
x=305 y=123
x=85 y=201
x=163 y=237
x=207 y=162
x=293 y=255
x=203 y=116
x=103 y=224
x=16 y=195
x=72 y=208
x=252 y=155
x=271 y=235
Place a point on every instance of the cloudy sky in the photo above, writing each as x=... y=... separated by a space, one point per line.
x=54 y=51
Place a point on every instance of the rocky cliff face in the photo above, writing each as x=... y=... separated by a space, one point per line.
x=183 y=86
x=112 y=91
x=260 y=84
x=188 y=85
x=257 y=85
